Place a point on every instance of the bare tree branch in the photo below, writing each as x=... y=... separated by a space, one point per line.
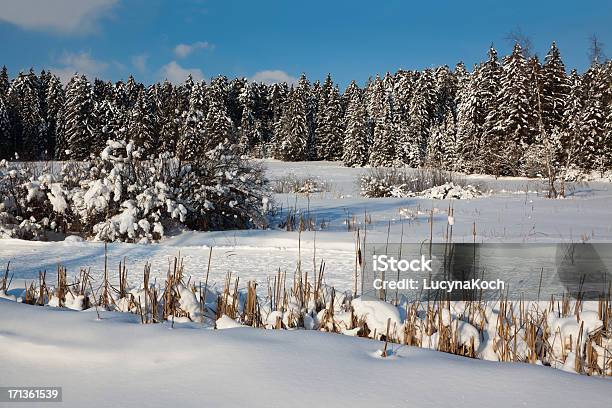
x=518 y=36
x=596 y=53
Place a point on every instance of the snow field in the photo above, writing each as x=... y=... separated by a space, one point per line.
x=117 y=362
x=515 y=211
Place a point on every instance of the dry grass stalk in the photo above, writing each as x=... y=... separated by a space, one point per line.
x=5 y=282
x=521 y=329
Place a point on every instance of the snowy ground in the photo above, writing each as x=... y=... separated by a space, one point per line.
x=116 y=362
x=517 y=211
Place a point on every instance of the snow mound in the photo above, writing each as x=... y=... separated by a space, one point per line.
x=451 y=190
x=73 y=239
x=226 y=322
x=376 y=313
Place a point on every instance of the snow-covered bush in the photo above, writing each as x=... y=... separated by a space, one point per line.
x=393 y=182
x=225 y=191
x=381 y=182
x=124 y=196
x=451 y=191
x=11 y=179
x=30 y=205
x=132 y=199
x=291 y=183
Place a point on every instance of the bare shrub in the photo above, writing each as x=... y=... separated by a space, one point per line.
x=394 y=182
x=301 y=185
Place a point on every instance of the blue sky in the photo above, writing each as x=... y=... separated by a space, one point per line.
x=278 y=40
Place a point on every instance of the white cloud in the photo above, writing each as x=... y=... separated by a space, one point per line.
x=274 y=77
x=140 y=62
x=183 y=50
x=81 y=63
x=176 y=74
x=65 y=16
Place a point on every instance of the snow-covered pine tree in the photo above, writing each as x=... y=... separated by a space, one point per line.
x=122 y=100
x=390 y=91
x=261 y=116
x=28 y=122
x=132 y=90
x=461 y=74
x=476 y=114
x=592 y=150
x=404 y=87
x=445 y=92
x=182 y=95
x=356 y=134
x=248 y=132
x=536 y=89
x=449 y=128
x=330 y=129
x=414 y=145
x=374 y=96
x=277 y=96
x=55 y=99
x=291 y=137
x=77 y=125
x=108 y=125
x=608 y=116
x=555 y=90
x=219 y=126
x=445 y=114
x=310 y=103
x=541 y=154
x=326 y=88
x=316 y=97
x=322 y=101
x=233 y=106
x=442 y=145
x=43 y=83
x=167 y=114
x=187 y=86
x=382 y=153
x=398 y=114
x=510 y=127
x=469 y=122
x=350 y=92
x=223 y=191
x=435 y=147
x=104 y=126
x=109 y=116
x=570 y=136
x=388 y=84
x=6 y=146
x=5 y=151
x=140 y=125
x=277 y=103
x=5 y=83
x=191 y=143
x=464 y=79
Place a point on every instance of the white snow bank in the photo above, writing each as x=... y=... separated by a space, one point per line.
x=73 y=239
x=376 y=313
x=451 y=191
x=191 y=367
x=226 y=322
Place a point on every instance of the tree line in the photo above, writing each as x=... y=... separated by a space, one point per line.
x=511 y=116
